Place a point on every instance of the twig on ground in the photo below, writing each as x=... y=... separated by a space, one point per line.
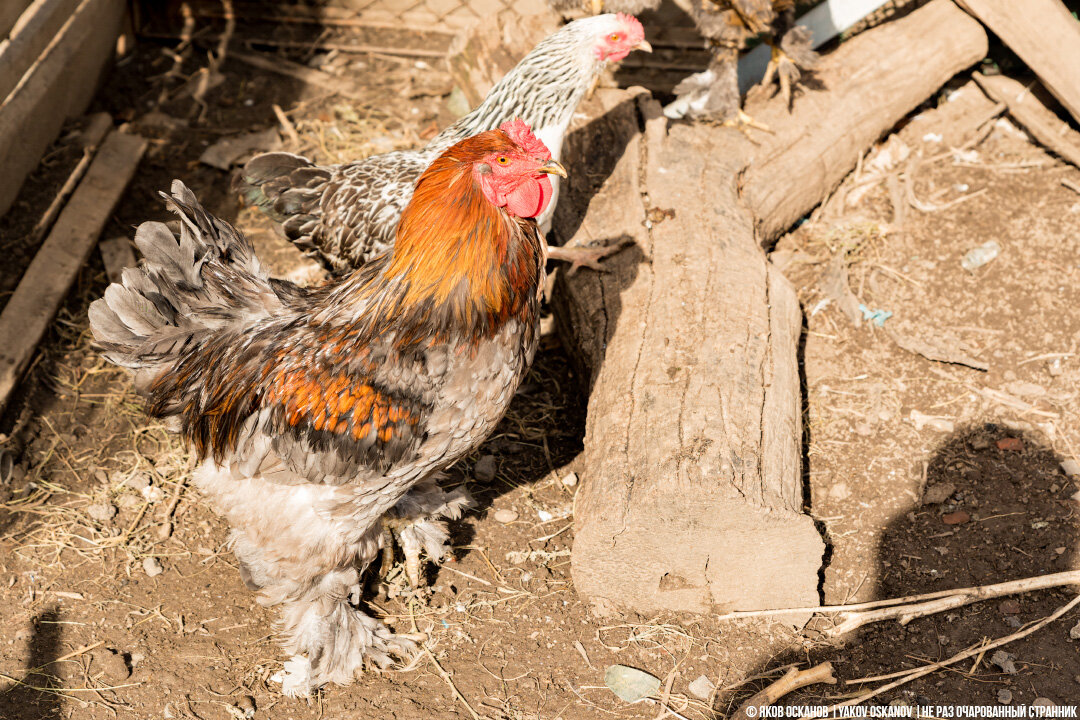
x=287 y=125
x=792 y=680
x=970 y=652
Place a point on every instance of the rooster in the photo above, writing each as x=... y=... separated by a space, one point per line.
x=315 y=412
x=343 y=215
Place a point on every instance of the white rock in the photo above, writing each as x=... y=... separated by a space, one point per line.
x=152 y=494
x=101 y=511
x=1070 y=467
x=505 y=516
x=570 y=480
x=544 y=516
x=152 y=567
x=702 y=688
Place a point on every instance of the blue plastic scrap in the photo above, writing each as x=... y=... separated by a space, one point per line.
x=878 y=317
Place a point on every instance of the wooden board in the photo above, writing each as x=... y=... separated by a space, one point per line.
x=1046 y=37
x=32 y=33
x=59 y=85
x=43 y=287
x=691 y=488
x=10 y=10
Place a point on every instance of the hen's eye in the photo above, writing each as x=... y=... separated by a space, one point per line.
x=613 y=37
x=503 y=160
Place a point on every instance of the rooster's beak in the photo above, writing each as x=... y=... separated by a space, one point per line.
x=552 y=167
x=644 y=46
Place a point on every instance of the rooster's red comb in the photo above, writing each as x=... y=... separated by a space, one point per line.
x=520 y=132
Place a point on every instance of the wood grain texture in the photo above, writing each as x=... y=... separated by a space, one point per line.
x=43 y=287
x=691 y=489
x=692 y=499
x=59 y=85
x=870 y=83
x=1046 y=37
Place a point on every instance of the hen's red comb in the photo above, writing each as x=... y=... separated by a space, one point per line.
x=520 y=132
x=633 y=26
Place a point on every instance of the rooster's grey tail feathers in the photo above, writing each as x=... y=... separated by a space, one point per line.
x=187 y=285
x=286 y=187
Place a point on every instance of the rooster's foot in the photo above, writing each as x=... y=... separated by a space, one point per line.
x=589 y=257
x=743 y=122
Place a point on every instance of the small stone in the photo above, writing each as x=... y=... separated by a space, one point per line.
x=112 y=664
x=505 y=516
x=484 y=470
x=863 y=429
x=246 y=705
x=1009 y=607
x=101 y=476
x=570 y=480
x=1013 y=621
x=939 y=493
x=1005 y=661
x=839 y=491
x=1004 y=696
x=137 y=481
x=1010 y=444
x=544 y=515
x=1074 y=633
x=979 y=443
x=152 y=567
x=1070 y=467
x=128 y=501
x=1043 y=702
x=956 y=518
x=152 y=494
x=702 y=688
x=101 y=512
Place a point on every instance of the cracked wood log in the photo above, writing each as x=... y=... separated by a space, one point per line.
x=691 y=495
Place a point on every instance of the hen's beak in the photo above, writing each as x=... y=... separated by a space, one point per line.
x=552 y=167
x=644 y=46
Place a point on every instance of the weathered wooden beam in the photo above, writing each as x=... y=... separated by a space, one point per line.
x=42 y=289
x=59 y=85
x=691 y=494
x=35 y=29
x=1046 y=127
x=10 y=11
x=872 y=81
x=1045 y=36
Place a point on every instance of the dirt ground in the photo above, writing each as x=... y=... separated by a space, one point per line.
x=119 y=599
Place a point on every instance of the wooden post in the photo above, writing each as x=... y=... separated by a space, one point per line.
x=691 y=494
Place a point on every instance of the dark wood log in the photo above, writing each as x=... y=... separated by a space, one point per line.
x=691 y=495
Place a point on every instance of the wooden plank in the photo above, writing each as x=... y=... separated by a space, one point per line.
x=10 y=11
x=1045 y=36
x=42 y=289
x=30 y=36
x=691 y=491
x=59 y=85
x=873 y=80
x=1046 y=127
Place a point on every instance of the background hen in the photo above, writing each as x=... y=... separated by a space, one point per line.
x=315 y=411
x=343 y=215
x=727 y=25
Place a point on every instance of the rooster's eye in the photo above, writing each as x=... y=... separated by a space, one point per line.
x=503 y=160
x=613 y=37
